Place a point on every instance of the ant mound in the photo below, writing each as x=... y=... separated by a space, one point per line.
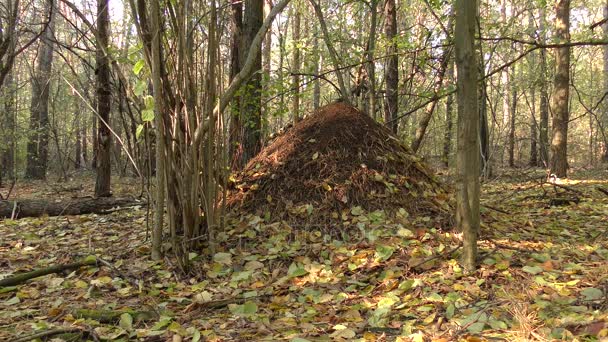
x=336 y=163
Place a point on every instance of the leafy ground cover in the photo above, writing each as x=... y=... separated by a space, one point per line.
x=542 y=275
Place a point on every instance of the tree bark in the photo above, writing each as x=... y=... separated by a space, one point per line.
x=295 y=80
x=543 y=137
x=8 y=153
x=391 y=69
x=37 y=146
x=561 y=92
x=37 y=208
x=467 y=160
x=512 y=115
x=604 y=157
x=104 y=102
x=251 y=95
x=236 y=126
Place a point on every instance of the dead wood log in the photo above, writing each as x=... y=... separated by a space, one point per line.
x=21 y=278
x=36 y=208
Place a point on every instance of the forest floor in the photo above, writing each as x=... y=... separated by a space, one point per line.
x=543 y=274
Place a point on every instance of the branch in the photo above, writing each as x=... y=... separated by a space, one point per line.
x=23 y=277
x=245 y=72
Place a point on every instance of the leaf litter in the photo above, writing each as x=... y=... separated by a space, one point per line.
x=380 y=276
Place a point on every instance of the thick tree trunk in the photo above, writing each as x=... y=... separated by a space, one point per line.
x=236 y=126
x=391 y=70
x=37 y=146
x=37 y=208
x=251 y=92
x=561 y=92
x=104 y=102
x=467 y=160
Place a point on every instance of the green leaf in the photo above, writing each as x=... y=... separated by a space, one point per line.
x=12 y=301
x=532 y=269
x=126 y=321
x=592 y=293
x=138 y=131
x=250 y=308
x=140 y=87
x=149 y=102
x=223 y=258
x=296 y=270
x=383 y=253
x=147 y=115
x=138 y=66
x=476 y=327
x=356 y=211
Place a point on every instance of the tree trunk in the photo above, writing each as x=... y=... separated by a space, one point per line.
x=449 y=122
x=369 y=54
x=430 y=108
x=467 y=159
x=544 y=97
x=533 y=124
x=8 y=154
x=391 y=69
x=316 y=94
x=512 y=115
x=37 y=145
x=37 y=208
x=561 y=92
x=605 y=104
x=104 y=102
x=236 y=126
x=295 y=67
x=251 y=115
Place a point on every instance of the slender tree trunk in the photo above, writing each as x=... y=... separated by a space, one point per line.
x=333 y=54
x=267 y=60
x=37 y=146
x=8 y=155
x=369 y=54
x=316 y=94
x=544 y=97
x=512 y=115
x=391 y=69
x=467 y=160
x=531 y=71
x=561 y=92
x=449 y=122
x=79 y=137
x=104 y=102
x=295 y=80
x=423 y=123
x=605 y=71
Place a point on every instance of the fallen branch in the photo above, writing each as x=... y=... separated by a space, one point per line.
x=23 y=277
x=36 y=208
x=49 y=333
x=113 y=316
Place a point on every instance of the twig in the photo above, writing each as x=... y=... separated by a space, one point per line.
x=436 y=256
